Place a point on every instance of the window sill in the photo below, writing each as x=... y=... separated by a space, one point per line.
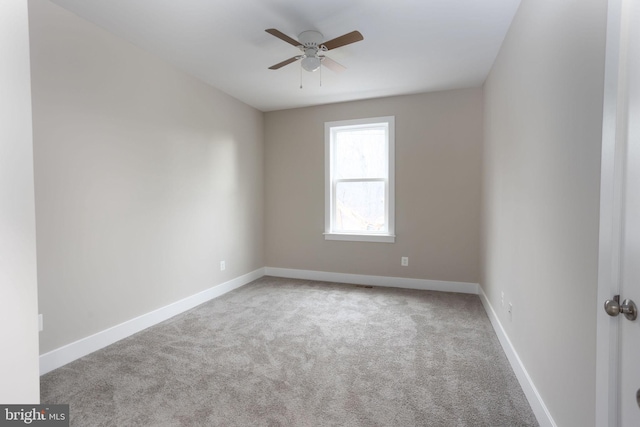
x=382 y=238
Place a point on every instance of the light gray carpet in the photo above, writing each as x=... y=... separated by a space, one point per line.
x=281 y=352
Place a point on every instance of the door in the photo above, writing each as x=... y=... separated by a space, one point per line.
x=629 y=331
x=618 y=337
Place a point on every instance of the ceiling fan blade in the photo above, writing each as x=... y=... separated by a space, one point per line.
x=333 y=65
x=283 y=63
x=352 y=37
x=283 y=36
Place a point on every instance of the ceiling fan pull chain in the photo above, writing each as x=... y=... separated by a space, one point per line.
x=320 y=76
x=300 y=75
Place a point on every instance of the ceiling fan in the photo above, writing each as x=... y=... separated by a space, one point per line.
x=312 y=47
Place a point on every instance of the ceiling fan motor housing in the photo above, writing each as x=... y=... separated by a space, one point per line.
x=310 y=38
x=310 y=45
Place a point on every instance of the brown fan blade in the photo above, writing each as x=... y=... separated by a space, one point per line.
x=283 y=63
x=352 y=37
x=283 y=36
x=333 y=65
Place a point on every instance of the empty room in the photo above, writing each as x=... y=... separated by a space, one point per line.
x=292 y=213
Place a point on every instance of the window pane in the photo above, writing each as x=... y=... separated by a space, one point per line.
x=360 y=207
x=360 y=153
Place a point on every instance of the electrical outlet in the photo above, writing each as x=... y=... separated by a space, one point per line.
x=404 y=261
x=223 y=265
x=510 y=311
x=40 y=322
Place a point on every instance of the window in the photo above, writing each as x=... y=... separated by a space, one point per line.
x=359 y=182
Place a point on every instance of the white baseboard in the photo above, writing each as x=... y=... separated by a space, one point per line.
x=535 y=400
x=70 y=352
x=359 y=279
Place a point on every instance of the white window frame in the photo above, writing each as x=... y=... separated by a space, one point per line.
x=388 y=236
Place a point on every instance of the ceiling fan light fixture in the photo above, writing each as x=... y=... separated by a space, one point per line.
x=311 y=63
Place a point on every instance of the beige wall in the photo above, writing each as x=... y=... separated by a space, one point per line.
x=438 y=162
x=145 y=179
x=19 y=382
x=543 y=116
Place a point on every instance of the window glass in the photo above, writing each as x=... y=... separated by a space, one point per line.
x=360 y=206
x=360 y=153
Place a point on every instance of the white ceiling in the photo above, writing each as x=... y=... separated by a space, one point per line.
x=409 y=46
